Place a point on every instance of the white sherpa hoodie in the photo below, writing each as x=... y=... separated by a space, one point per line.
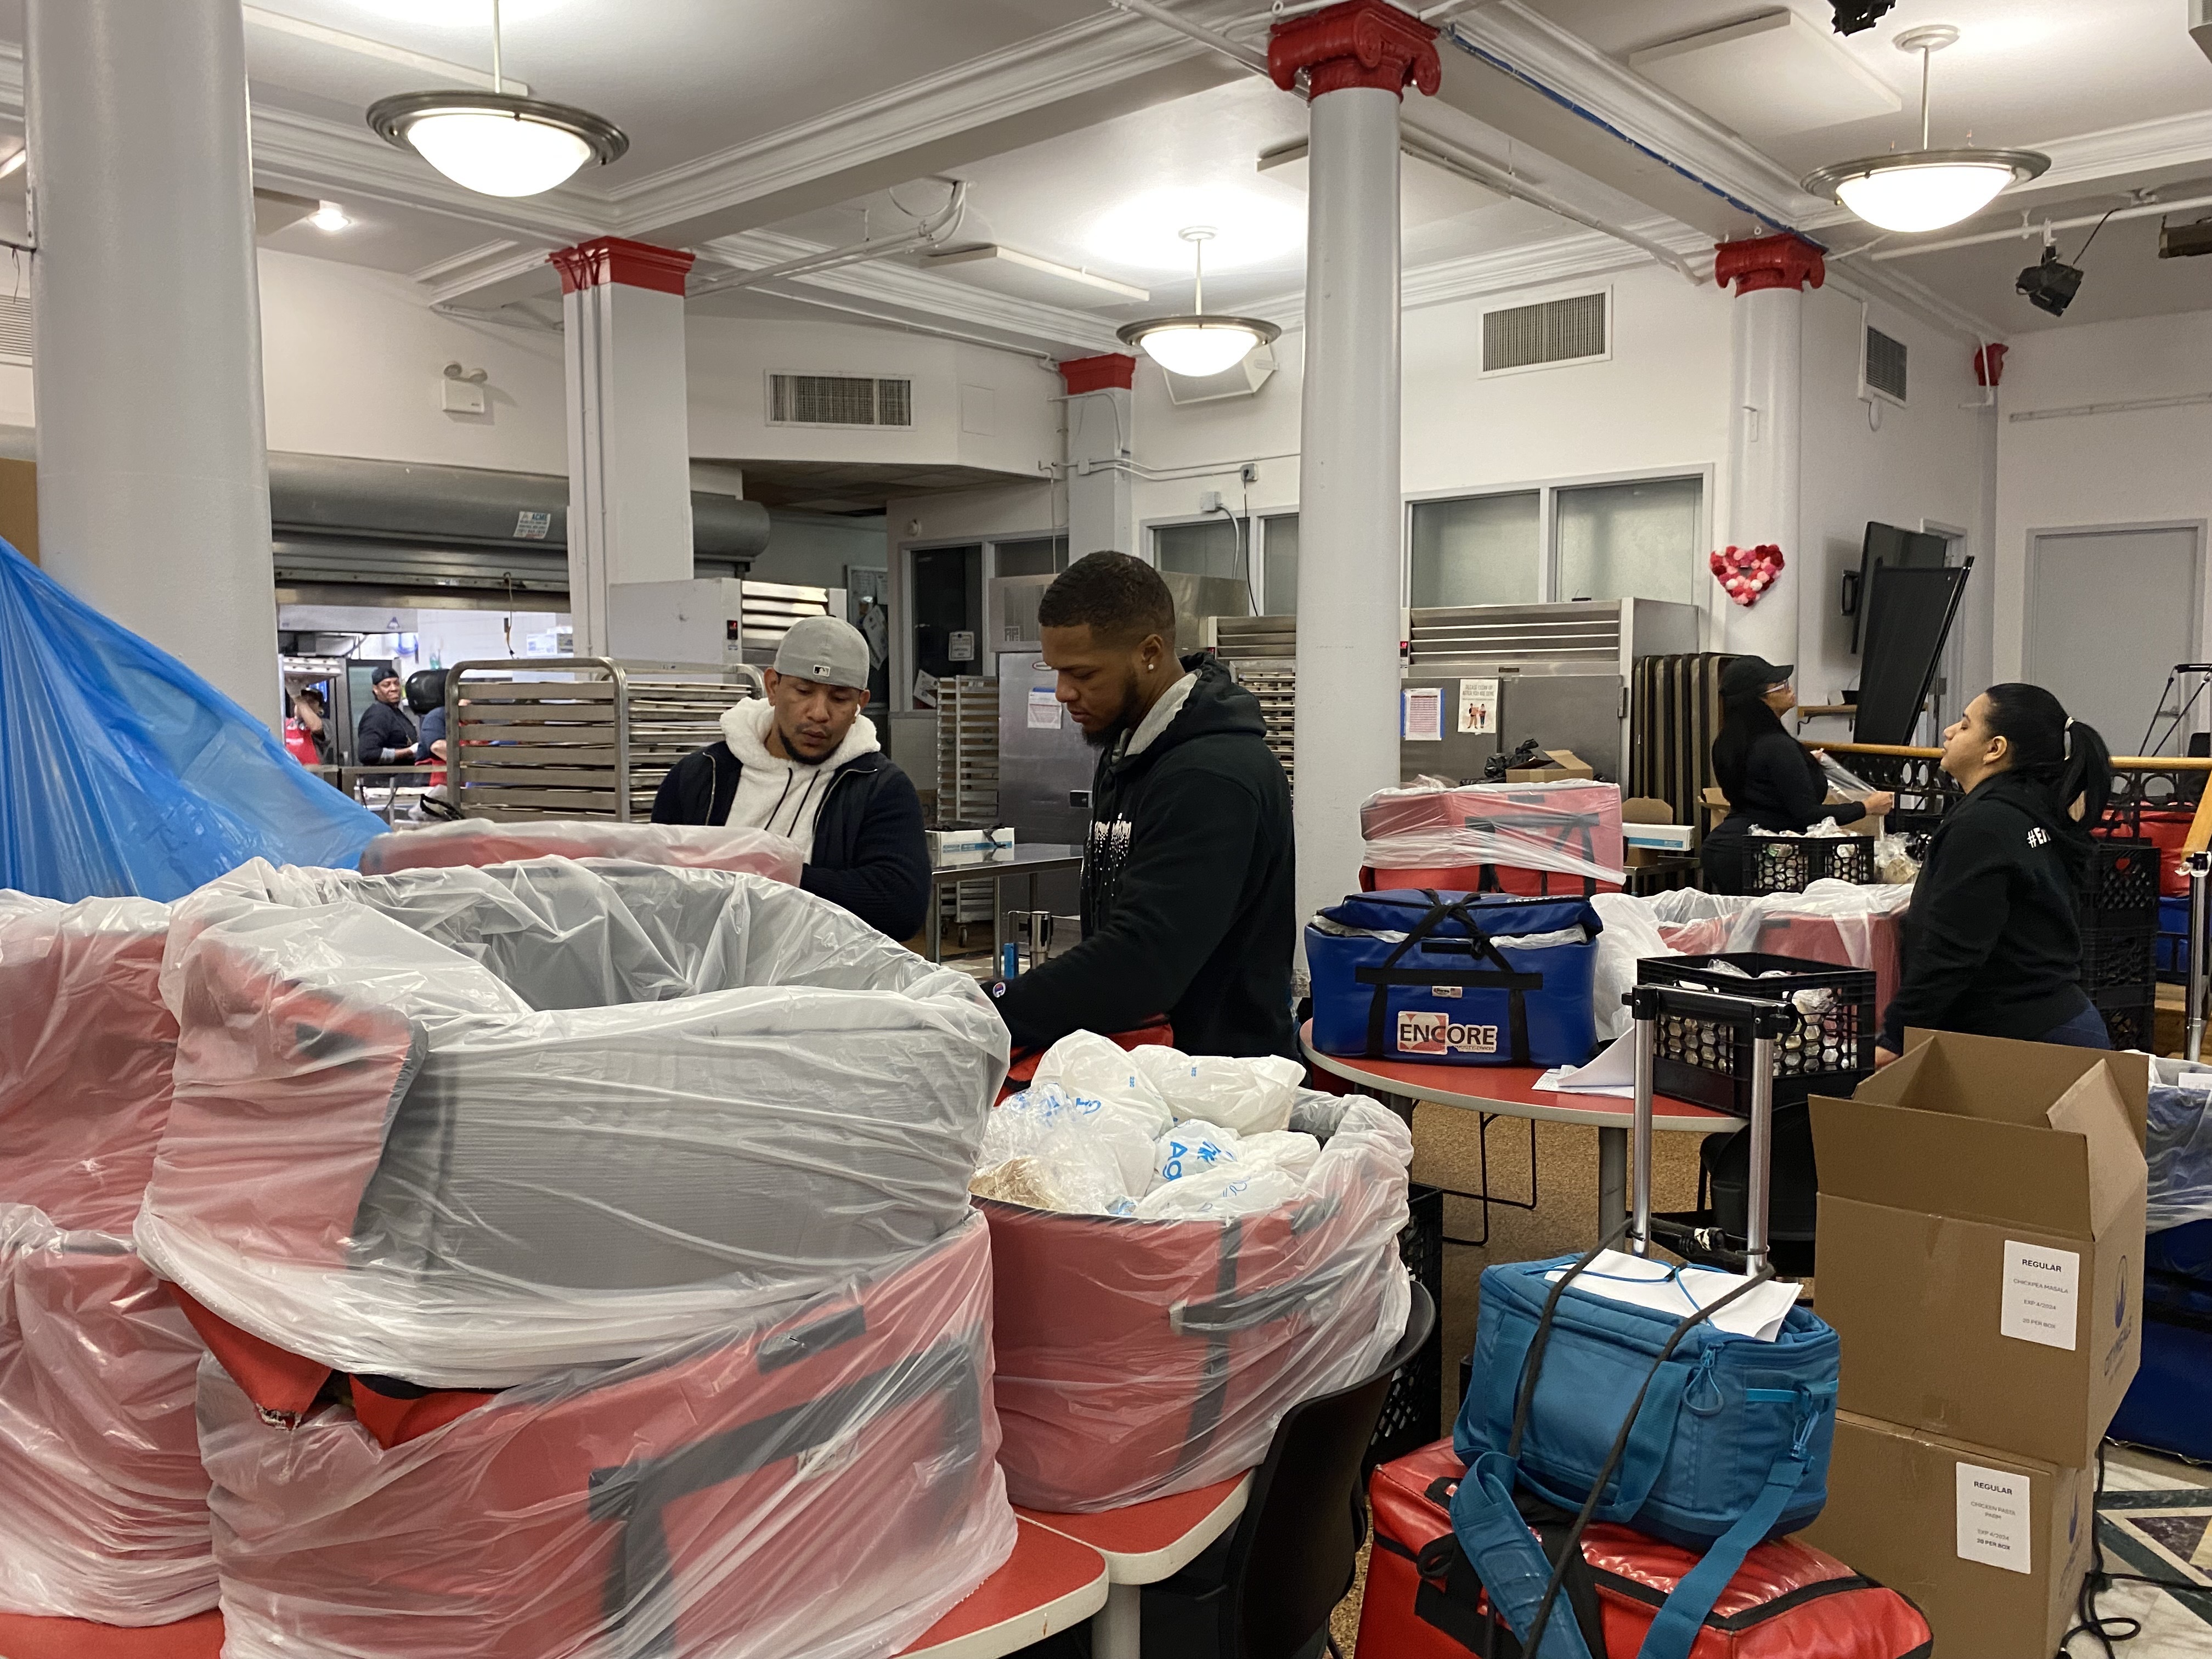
x=778 y=795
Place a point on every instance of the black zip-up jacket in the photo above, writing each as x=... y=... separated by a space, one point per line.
x=1993 y=942
x=1783 y=788
x=384 y=727
x=1187 y=896
x=870 y=855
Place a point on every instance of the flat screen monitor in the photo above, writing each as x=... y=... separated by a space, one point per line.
x=1886 y=546
x=1908 y=618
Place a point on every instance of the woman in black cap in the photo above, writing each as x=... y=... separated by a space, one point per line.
x=1772 y=780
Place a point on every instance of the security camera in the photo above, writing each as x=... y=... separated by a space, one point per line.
x=1852 y=15
x=2050 y=285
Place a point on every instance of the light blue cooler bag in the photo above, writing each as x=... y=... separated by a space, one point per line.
x=1422 y=975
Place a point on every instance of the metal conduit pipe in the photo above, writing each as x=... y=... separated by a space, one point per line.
x=1431 y=146
x=929 y=232
x=2023 y=231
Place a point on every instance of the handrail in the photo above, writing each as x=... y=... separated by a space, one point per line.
x=2123 y=762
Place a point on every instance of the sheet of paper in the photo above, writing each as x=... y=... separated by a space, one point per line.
x=2042 y=1286
x=1045 y=710
x=1424 y=719
x=1993 y=1518
x=1612 y=1073
x=925 y=687
x=1647 y=1282
x=1477 y=705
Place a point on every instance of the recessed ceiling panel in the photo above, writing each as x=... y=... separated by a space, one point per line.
x=1768 y=75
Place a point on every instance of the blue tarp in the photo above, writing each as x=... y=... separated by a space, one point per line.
x=123 y=772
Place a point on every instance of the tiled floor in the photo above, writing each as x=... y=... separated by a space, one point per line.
x=2155 y=1519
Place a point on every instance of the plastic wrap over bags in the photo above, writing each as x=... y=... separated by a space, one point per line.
x=1246 y=1095
x=474 y=842
x=467 y=1127
x=103 y=1503
x=1571 y=827
x=1140 y=1358
x=123 y=772
x=825 y=1486
x=2179 y=1144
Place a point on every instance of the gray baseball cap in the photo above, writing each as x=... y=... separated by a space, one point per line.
x=825 y=649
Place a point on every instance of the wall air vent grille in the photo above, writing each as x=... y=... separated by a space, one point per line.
x=15 y=327
x=839 y=400
x=1885 y=365
x=1554 y=331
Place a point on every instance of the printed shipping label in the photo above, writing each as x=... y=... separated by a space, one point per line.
x=2041 y=1288
x=1420 y=1032
x=1993 y=1518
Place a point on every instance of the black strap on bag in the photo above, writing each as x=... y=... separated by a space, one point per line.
x=1502 y=977
x=1451 y=1597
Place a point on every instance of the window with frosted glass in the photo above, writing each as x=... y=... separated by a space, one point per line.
x=1041 y=556
x=1476 y=549
x=1206 y=549
x=1278 y=560
x=1631 y=541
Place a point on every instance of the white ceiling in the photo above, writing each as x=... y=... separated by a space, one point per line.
x=1089 y=137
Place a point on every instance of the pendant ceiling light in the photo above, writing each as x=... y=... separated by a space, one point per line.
x=1924 y=189
x=1199 y=345
x=496 y=142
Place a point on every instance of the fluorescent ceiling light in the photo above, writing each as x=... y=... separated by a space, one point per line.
x=329 y=216
x=1923 y=189
x=1198 y=344
x=497 y=142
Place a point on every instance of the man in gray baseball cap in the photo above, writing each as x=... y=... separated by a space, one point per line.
x=804 y=762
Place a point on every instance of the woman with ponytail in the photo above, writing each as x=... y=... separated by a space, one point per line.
x=1991 y=944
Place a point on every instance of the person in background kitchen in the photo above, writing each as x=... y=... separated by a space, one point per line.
x=385 y=736
x=804 y=762
x=1772 y=780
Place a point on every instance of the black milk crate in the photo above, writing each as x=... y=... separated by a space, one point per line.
x=2119 y=959
x=2122 y=884
x=1412 y=1412
x=1705 y=1061
x=2130 y=1015
x=1790 y=863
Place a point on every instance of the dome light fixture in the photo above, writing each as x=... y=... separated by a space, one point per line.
x=497 y=142
x=1199 y=345
x=1924 y=189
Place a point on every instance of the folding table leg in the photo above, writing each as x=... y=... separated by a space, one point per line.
x=1117 y=1630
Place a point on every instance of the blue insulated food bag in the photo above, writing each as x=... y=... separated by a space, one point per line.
x=1418 y=975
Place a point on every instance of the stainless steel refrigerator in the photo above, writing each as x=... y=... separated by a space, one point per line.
x=1045 y=767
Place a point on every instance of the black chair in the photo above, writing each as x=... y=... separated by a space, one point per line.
x=1264 y=1589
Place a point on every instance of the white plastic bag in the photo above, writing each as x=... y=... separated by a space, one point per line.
x=1083 y=1063
x=1219 y=1191
x=1079 y=1155
x=1250 y=1096
x=1192 y=1147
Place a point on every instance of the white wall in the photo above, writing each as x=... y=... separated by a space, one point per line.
x=1903 y=466
x=814 y=548
x=2129 y=467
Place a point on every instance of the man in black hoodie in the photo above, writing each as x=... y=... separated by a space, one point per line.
x=1187 y=907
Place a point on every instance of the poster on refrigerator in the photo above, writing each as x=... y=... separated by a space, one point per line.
x=1044 y=710
x=1477 y=705
x=1422 y=718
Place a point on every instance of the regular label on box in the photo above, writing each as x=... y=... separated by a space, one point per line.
x=1993 y=1518
x=2041 y=1287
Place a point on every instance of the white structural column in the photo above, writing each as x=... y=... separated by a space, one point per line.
x=1357 y=58
x=630 y=430
x=152 y=450
x=1766 y=450
x=1102 y=501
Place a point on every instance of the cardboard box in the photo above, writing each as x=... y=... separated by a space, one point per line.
x=1565 y=763
x=1981 y=1231
x=1990 y=1546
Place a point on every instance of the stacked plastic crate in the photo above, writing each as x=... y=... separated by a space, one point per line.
x=2119 y=940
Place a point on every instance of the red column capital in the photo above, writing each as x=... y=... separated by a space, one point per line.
x=1779 y=261
x=616 y=260
x=1361 y=43
x=1109 y=371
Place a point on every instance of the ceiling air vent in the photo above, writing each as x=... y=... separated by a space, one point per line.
x=1572 y=330
x=1885 y=367
x=838 y=400
x=14 y=328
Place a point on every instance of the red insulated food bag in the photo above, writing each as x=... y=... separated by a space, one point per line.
x=1788 y=1601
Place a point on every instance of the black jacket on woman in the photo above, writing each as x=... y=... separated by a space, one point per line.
x=1783 y=788
x=1992 y=943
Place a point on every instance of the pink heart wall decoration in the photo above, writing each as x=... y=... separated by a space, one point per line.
x=1747 y=572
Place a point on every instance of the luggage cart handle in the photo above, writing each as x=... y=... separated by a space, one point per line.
x=1763 y=1020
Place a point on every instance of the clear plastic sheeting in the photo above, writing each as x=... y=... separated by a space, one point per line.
x=1838 y=922
x=122 y=772
x=465 y=1128
x=1571 y=827
x=103 y=1502
x=825 y=1486
x=1137 y=1357
x=476 y=841
x=85 y=1052
x=2179 y=1144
